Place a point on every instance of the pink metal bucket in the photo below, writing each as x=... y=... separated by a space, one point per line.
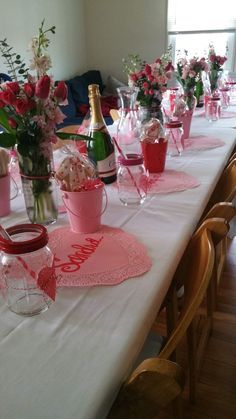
x=4 y=195
x=84 y=209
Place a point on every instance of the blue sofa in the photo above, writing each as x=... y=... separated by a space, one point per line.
x=78 y=101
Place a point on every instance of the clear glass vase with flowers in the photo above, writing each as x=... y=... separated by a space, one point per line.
x=151 y=80
x=189 y=74
x=216 y=63
x=29 y=113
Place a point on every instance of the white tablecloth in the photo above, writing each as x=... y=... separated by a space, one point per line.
x=69 y=362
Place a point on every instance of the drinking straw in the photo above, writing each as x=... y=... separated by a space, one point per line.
x=128 y=170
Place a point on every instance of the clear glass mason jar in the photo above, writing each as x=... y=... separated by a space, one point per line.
x=174 y=133
x=224 y=97
x=132 y=180
x=28 y=276
x=213 y=109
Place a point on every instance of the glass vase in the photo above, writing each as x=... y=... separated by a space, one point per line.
x=147 y=113
x=128 y=129
x=38 y=185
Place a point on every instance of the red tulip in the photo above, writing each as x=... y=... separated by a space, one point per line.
x=42 y=87
x=61 y=91
x=29 y=89
x=8 y=97
x=12 y=123
x=14 y=86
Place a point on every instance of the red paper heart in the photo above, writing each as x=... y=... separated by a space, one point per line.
x=47 y=281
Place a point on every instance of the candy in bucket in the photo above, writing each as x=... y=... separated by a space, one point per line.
x=82 y=193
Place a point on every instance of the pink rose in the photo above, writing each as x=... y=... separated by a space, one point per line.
x=147 y=70
x=29 y=89
x=169 y=67
x=145 y=85
x=42 y=87
x=61 y=91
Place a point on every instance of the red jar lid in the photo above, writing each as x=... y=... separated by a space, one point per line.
x=174 y=124
x=231 y=83
x=224 y=89
x=25 y=246
x=131 y=160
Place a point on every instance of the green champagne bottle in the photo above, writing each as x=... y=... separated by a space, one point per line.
x=101 y=151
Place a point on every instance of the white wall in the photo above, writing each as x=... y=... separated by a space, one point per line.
x=90 y=34
x=116 y=28
x=20 y=20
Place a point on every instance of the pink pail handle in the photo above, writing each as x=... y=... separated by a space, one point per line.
x=95 y=216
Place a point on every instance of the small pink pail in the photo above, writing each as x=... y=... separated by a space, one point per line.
x=4 y=195
x=84 y=209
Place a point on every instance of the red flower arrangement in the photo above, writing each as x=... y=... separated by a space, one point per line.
x=29 y=113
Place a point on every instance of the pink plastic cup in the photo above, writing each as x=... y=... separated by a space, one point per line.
x=4 y=195
x=84 y=209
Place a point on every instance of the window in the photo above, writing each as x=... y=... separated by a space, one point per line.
x=193 y=26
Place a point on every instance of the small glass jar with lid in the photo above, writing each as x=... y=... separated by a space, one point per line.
x=27 y=272
x=213 y=109
x=174 y=133
x=132 y=180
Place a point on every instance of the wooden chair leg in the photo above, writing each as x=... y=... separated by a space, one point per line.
x=191 y=341
x=171 y=314
x=177 y=408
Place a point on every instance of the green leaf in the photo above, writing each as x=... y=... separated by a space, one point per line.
x=76 y=137
x=7 y=140
x=4 y=121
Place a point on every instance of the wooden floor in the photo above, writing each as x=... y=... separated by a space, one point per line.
x=216 y=390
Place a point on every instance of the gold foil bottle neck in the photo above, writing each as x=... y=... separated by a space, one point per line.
x=93 y=90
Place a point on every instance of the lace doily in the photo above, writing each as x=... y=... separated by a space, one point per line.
x=107 y=257
x=202 y=143
x=171 y=181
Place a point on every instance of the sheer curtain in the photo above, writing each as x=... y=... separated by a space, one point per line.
x=194 y=25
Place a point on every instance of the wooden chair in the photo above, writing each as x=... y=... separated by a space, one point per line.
x=225 y=190
x=148 y=389
x=227 y=211
x=114 y=114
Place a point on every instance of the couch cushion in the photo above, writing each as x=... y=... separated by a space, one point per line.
x=79 y=85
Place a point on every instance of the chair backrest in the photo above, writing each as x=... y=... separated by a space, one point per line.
x=225 y=190
x=147 y=383
x=225 y=210
x=114 y=114
x=199 y=262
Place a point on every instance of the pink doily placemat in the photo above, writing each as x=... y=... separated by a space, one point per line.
x=107 y=257
x=171 y=181
x=202 y=143
x=224 y=114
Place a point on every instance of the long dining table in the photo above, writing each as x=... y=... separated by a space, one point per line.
x=69 y=362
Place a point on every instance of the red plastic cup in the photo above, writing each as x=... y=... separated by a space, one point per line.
x=154 y=156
